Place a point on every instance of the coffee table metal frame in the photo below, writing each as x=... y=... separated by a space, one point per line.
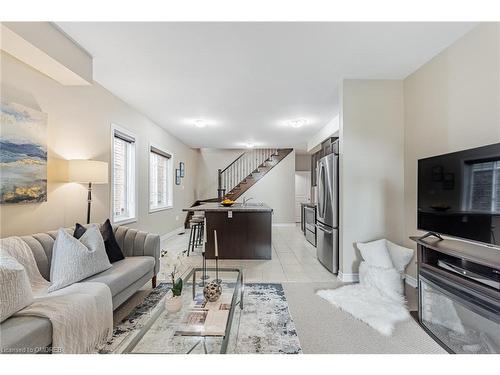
x=238 y=289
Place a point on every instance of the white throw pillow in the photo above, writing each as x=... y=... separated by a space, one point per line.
x=15 y=287
x=74 y=260
x=400 y=255
x=375 y=253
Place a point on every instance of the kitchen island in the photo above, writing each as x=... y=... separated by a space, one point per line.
x=243 y=231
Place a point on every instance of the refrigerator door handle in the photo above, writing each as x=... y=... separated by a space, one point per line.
x=322 y=189
x=323 y=229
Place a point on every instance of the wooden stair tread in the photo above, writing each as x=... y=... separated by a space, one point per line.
x=258 y=173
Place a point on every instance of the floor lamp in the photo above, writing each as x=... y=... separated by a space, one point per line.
x=88 y=172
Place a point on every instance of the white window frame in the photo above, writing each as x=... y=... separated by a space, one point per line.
x=132 y=174
x=170 y=179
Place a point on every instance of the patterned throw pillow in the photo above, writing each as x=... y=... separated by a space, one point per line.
x=15 y=290
x=76 y=259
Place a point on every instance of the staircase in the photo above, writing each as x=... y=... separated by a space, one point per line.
x=247 y=169
x=242 y=173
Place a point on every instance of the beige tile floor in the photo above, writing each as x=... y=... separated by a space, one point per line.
x=293 y=259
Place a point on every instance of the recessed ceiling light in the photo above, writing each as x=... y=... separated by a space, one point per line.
x=297 y=123
x=199 y=123
x=249 y=145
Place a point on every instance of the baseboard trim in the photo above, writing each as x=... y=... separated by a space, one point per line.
x=166 y=236
x=284 y=224
x=411 y=281
x=348 y=277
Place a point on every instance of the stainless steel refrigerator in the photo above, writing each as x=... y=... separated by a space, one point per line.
x=327 y=217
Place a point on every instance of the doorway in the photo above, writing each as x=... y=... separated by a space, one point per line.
x=302 y=191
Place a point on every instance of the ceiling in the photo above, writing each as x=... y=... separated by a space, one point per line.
x=247 y=79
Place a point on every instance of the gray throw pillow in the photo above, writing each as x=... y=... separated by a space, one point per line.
x=76 y=259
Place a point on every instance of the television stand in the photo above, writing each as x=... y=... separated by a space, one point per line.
x=459 y=294
x=431 y=234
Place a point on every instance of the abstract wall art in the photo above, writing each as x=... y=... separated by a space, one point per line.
x=23 y=154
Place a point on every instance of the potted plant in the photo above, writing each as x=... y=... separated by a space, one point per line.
x=173 y=301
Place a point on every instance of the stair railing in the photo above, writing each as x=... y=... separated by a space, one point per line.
x=243 y=167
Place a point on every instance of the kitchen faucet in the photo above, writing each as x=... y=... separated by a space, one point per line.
x=245 y=200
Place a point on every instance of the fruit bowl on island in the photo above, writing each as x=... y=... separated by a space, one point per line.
x=227 y=202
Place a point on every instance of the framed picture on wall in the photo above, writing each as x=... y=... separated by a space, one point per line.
x=177 y=176
x=23 y=159
x=181 y=169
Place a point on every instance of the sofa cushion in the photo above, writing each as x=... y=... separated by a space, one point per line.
x=124 y=272
x=25 y=332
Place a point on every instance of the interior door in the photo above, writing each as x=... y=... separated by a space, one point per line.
x=302 y=191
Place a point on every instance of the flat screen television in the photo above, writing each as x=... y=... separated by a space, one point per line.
x=459 y=194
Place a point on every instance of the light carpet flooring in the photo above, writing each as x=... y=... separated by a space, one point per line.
x=324 y=329
x=321 y=327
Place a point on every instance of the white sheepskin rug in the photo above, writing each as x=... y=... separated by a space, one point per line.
x=377 y=300
x=367 y=304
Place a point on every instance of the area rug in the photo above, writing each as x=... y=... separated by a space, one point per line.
x=367 y=304
x=265 y=325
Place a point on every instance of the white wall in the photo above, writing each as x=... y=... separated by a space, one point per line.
x=209 y=161
x=277 y=190
x=79 y=120
x=302 y=162
x=329 y=130
x=371 y=166
x=451 y=103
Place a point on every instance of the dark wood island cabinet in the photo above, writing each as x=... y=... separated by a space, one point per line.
x=243 y=232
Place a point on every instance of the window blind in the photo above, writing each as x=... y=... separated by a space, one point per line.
x=123 y=176
x=159 y=194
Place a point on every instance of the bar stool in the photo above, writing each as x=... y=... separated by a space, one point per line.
x=200 y=216
x=196 y=235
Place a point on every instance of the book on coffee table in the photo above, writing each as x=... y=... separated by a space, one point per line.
x=204 y=323
x=206 y=318
x=223 y=303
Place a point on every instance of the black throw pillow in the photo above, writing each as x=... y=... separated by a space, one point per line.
x=79 y=231
x=112 y=248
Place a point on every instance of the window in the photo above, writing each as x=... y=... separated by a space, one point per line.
x=485 y=186
x=123 y=176
x=160 y=180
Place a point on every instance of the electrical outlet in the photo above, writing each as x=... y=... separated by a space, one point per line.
x=177 y=218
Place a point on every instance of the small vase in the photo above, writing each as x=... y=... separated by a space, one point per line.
x=173 y=304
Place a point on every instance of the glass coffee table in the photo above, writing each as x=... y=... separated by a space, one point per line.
x=199 y=327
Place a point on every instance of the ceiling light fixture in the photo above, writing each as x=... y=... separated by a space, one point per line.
x=297 y=123
x=249 y=145
x=199 y=123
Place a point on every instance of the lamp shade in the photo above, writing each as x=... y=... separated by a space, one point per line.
x=85 y=171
